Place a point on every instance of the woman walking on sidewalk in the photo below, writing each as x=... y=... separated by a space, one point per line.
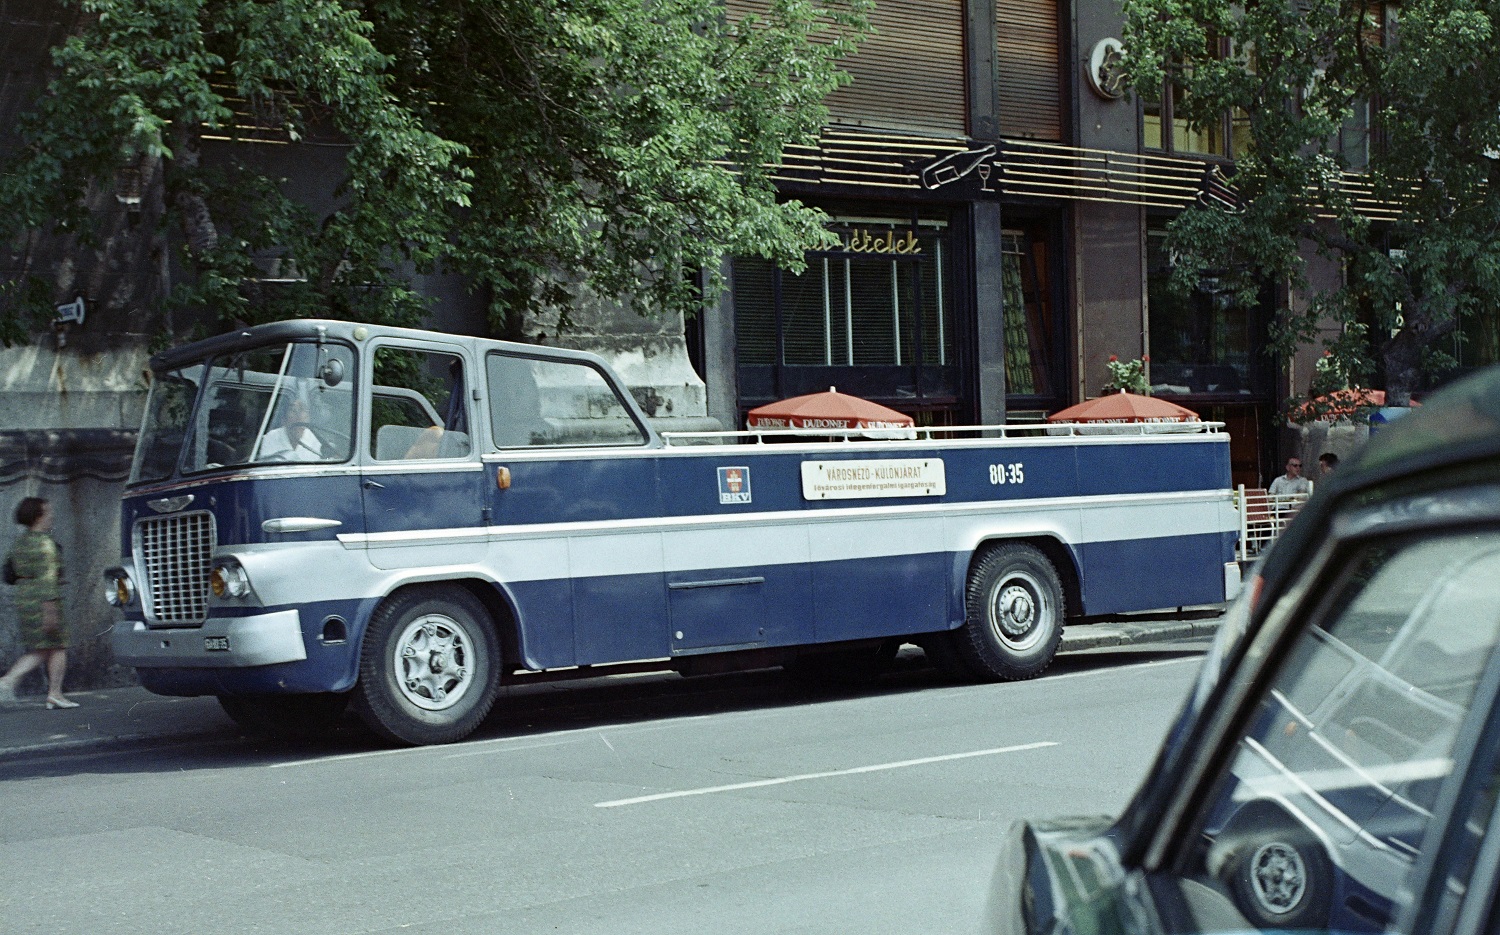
x=37 y=567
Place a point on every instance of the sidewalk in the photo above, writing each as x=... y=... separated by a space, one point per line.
x=103 y=718
x=130 y=716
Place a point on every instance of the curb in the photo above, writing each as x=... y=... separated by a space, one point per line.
x=102 y=743
x=1097 y=636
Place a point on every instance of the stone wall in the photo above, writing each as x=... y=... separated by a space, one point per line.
x=67 y=431
x=82 y=472
x=648 y=352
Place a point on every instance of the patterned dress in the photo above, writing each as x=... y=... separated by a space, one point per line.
x=36 y=560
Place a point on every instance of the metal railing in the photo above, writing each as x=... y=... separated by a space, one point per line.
x=950 y=432
x=1263 y=515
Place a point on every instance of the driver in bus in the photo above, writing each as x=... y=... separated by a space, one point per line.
x=294 y=440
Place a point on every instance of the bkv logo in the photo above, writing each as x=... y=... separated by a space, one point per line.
x=734 y=485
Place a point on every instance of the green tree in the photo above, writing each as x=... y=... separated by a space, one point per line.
x=143 y=82
x=618 y=146
x=1300 y=73
x=545 y=147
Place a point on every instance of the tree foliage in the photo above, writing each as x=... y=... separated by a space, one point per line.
x=547 y=148
x=622 y=143
x=1302 y=74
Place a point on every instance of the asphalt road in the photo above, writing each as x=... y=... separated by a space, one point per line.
x=736 y=804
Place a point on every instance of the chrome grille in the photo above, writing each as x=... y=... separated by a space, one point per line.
x=176 y=553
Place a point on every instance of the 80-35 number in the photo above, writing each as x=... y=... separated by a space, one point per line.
x=1008 y=473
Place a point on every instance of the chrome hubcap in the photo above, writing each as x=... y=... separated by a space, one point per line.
x=1278 y=876
x=1019 y=611
x=432 y=662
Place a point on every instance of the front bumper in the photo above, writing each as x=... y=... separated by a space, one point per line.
x=260 y=640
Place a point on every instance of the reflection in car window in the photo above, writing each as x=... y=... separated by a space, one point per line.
x=1319 y=818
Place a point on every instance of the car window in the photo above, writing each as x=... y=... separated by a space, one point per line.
x=1319 y=818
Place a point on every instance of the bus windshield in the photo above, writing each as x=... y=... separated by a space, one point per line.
x=286 y=402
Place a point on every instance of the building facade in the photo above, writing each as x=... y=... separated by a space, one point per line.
x=1002 y=205
x=1000 y=208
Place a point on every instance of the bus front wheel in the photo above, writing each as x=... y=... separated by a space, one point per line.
x=1014 y=617
x=429 y=668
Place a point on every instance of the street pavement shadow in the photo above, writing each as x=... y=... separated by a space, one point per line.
x=534 y=709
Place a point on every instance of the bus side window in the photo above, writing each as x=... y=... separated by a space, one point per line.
x=535 y=402
x=418 y=406
x=515 y=402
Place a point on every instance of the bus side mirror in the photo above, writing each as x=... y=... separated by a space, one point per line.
x=332 y=372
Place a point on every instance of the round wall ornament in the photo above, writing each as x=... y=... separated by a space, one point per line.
x=1106 y=71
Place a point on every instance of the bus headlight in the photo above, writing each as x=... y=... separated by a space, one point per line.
x=229 y=580
x=119 y=590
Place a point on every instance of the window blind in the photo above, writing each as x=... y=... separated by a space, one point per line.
x=1026 y=32
x=907 y=75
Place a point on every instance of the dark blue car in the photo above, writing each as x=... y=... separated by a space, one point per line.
x=1336 y=766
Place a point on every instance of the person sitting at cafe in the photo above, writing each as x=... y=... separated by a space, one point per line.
x=1292 y=482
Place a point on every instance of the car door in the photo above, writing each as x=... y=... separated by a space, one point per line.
x=1322 y=795
x=575 y=519
x=422 y=480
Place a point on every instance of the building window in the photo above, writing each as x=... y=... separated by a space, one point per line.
x=876 y=316
x=1027 y=56
x=1206 y=343
x=1032 y=346
x=1164 y=126
x=1478 y=340
x=885 y=91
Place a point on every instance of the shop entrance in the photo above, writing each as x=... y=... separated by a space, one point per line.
x=876 y=317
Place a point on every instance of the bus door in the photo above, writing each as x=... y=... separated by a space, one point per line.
x=422 y=481
x=575 y=537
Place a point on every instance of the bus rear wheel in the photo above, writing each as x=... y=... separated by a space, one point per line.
x=429 y=668
x=1282 y=879
x=1014 y=616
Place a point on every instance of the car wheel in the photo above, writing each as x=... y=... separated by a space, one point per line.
x=429 y=667
x=289 y=717
x=1014 y=614
x=1281 y=880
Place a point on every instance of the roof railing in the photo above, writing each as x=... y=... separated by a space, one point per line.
x=947 y=432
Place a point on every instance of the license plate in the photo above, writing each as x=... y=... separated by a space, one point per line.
x=216 y=644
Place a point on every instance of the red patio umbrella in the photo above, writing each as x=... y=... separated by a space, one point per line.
x=830 y=410
x=1124 y=407
x=1341 y=404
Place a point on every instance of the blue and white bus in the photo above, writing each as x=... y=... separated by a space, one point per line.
x=326 y=513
